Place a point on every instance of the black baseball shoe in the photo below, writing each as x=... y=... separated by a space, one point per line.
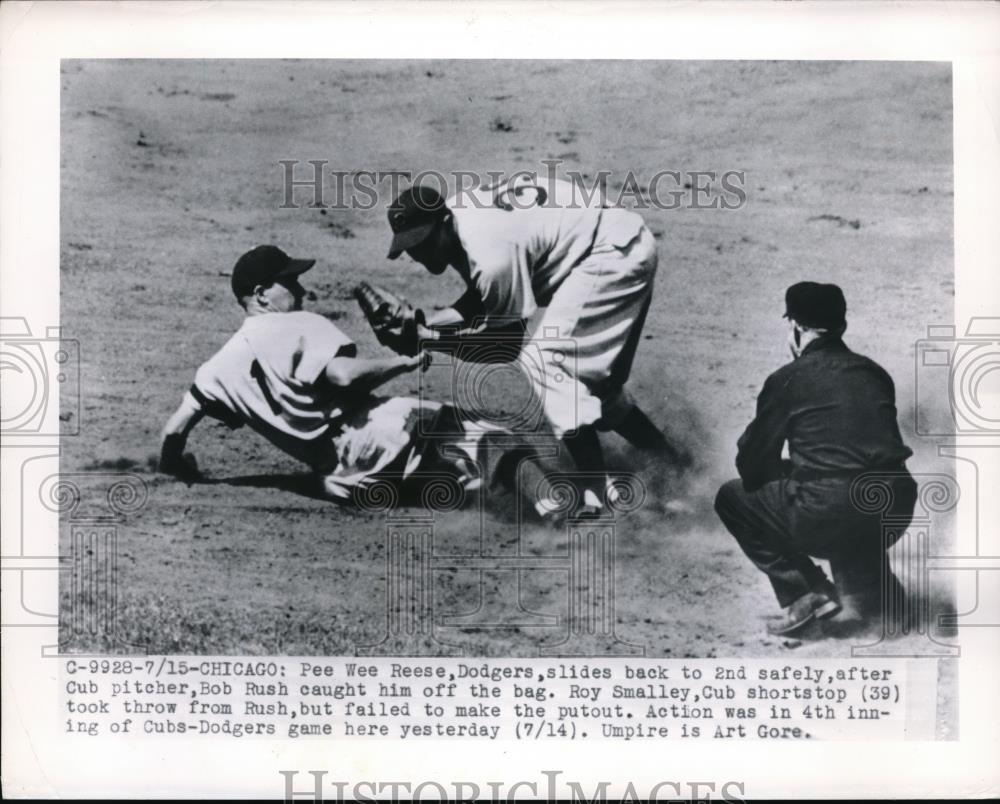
x=811 y=606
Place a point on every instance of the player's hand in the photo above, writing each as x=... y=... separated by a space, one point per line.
x=425 y=333
x=183 y=467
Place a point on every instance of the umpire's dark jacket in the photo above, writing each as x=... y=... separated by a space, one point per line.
x=837 y=410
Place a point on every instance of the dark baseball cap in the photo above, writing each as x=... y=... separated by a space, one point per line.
x=265 y=265
x=816 y=305
x=412 y=216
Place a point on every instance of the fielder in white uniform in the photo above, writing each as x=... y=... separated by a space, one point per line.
x=523 y=247
x=295 y=378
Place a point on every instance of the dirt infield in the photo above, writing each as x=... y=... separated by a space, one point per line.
x=170 y=170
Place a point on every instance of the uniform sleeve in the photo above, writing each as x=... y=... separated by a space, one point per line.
x=758 y=457
x=319 y=342
x=211 y=395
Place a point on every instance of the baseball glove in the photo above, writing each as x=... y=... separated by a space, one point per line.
x=393 y=319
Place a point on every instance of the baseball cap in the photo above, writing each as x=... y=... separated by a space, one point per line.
x=816 y=305
x=412 y=216
x=265 y=265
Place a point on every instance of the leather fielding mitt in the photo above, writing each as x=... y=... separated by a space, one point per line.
x=393 y=319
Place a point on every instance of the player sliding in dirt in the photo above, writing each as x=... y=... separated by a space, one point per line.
x=296 y=379
x=522 y=247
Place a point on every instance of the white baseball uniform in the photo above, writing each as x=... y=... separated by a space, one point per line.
x=267 y=376
x=592 y=268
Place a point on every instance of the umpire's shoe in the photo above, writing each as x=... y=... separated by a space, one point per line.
x=811 y=606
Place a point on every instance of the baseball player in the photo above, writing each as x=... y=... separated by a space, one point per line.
x=296 y=379
x=522 y=247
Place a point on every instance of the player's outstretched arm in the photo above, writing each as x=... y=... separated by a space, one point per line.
x=467 y=327
x=356 y=376
x=468 y=307
x=483 y=341
x=173 y=461
x=448 y=317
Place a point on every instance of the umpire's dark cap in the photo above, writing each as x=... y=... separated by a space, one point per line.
x=413 y=216
x=816 y=305
x=265 y=265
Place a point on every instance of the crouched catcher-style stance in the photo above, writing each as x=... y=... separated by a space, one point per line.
x=836 y=410
x=522 y=247
x=296 y=379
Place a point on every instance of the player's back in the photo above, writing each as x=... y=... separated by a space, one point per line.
x=535 y=232
x=268 y=375
x=842 y=411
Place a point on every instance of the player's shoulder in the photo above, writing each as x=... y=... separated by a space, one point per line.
x=566 y=194
x=305 y=329
x=231 y=356
x=868 y=365
x=306 y=318
x=321 y=325
x=780 y=378
x=296 y=322
x=522 y=194
x=290 y=319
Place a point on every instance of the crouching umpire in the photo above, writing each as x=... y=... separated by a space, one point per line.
x=836 y=411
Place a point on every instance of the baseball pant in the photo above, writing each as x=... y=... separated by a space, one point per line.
x=581 y=352
x=391 y=438
x=780 y=525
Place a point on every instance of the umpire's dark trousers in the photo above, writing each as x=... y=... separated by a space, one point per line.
x=780 y=525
